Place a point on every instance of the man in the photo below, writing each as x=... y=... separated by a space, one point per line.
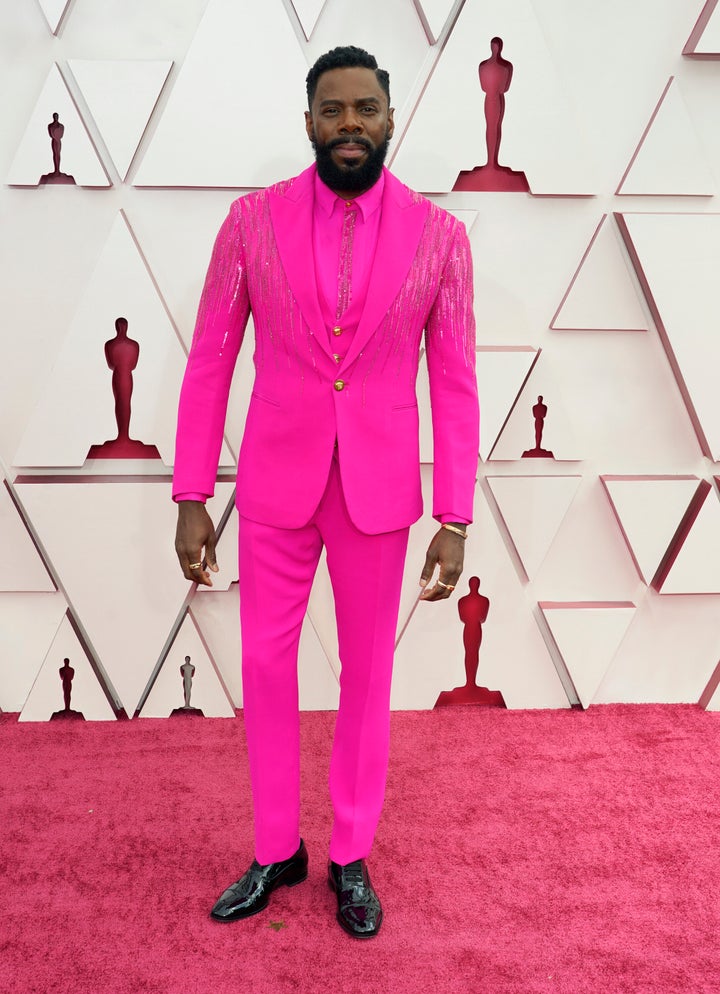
x=343 y=268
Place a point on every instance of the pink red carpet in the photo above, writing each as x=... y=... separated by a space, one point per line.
x=519 y=853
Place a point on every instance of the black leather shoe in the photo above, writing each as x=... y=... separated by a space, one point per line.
x=359 y=910
x=252 y=892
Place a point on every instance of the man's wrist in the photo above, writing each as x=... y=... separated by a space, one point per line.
x=456 y=527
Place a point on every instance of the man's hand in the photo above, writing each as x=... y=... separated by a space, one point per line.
x=195 y=532
x=447 y=549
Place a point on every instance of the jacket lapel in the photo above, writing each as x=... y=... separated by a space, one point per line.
x=401 y=227
x=291 y=212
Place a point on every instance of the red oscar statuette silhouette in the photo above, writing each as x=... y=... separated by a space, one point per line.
x=473 y=610
x=187 y=672
x=56 y=130
x=121 y=354
x=66 y=676
x=539 y=414
x=495 y=78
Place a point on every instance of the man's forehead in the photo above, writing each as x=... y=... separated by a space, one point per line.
x=350 y=83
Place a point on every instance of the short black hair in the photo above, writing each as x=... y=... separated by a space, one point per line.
x=345 y=57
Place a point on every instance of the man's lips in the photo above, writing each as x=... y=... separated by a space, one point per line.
x=349 y=150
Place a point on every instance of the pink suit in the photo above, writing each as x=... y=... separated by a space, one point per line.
x=330 y=455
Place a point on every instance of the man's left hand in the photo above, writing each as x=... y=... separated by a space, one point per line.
x=448 y=550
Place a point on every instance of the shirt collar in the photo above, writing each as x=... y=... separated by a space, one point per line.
x=367 y=202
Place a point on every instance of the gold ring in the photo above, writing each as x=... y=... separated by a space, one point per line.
x=447 y=586
x=195 y=566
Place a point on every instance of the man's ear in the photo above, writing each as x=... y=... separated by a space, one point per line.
x=309 y=129
x=391 y=122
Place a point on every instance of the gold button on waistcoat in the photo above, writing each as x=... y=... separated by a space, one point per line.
x=337 y=330
x=339 y=384
x=336 y=357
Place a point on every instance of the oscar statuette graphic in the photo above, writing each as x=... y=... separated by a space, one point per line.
x=122 y=354
x=66 y=676
x=187 y=672
x=56 y=130
x=473 y=609
x=495 y=78
x=539 y=414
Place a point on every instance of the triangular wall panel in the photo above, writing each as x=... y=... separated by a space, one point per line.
x=77 y=408
x=669 y=160
x=533 y=509
x=541 y=135
x=518 y=433
x=501 y=375
x=28 y=625
x=207 y=693
x=434 y=15
x=676 y=261
x=588 y=636
x=696 y=569
x=308 y=12
x=198 y=141
x=87 y=696
x=704 y=40
x=513 y=657
x=650 y=537
x=127 y=605
x=54 y=11
x=602 y=294
x=34 y=157
x=28 y=572
x=121 y=95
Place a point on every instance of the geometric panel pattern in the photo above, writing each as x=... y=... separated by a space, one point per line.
x=434 y=15
x=588 y=635
x=308 y=12
x=66 y=669
x=519 y=433
x=28 y=570
x=676 y=260
x=602 y=294
x=540 y=133
x=696 y=569
x=654 y=539
x=501 y=375
x=129 y=615
x=187 y=679
x=533 y=508
x=28 y=625
x=77 y=410
x=669 y=159
x=704 y=40
x=121 y=95
x=53 y=11
x=429 y=656
x=34 y=157
x=221 y=70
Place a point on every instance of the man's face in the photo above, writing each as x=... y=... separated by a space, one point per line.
x=349 y=125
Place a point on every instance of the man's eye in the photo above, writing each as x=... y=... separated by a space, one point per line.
x=330 y=111
x=369 y=110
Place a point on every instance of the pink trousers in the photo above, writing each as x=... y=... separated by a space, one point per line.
x=277 y=567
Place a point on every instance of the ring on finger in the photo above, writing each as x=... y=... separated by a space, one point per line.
x=446 y=586
x=195 y=566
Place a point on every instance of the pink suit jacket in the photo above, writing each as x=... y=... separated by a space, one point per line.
x=302 y=400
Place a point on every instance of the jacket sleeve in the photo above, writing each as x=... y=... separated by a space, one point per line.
x=219 y=330
x=450 y=350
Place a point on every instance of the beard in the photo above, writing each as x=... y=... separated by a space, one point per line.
x=352 y=178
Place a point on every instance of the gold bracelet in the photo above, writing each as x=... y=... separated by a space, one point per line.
x=457 y=531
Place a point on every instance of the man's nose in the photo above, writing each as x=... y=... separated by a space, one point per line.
x=351 y=122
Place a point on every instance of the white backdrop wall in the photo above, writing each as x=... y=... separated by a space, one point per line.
x=598 y=290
